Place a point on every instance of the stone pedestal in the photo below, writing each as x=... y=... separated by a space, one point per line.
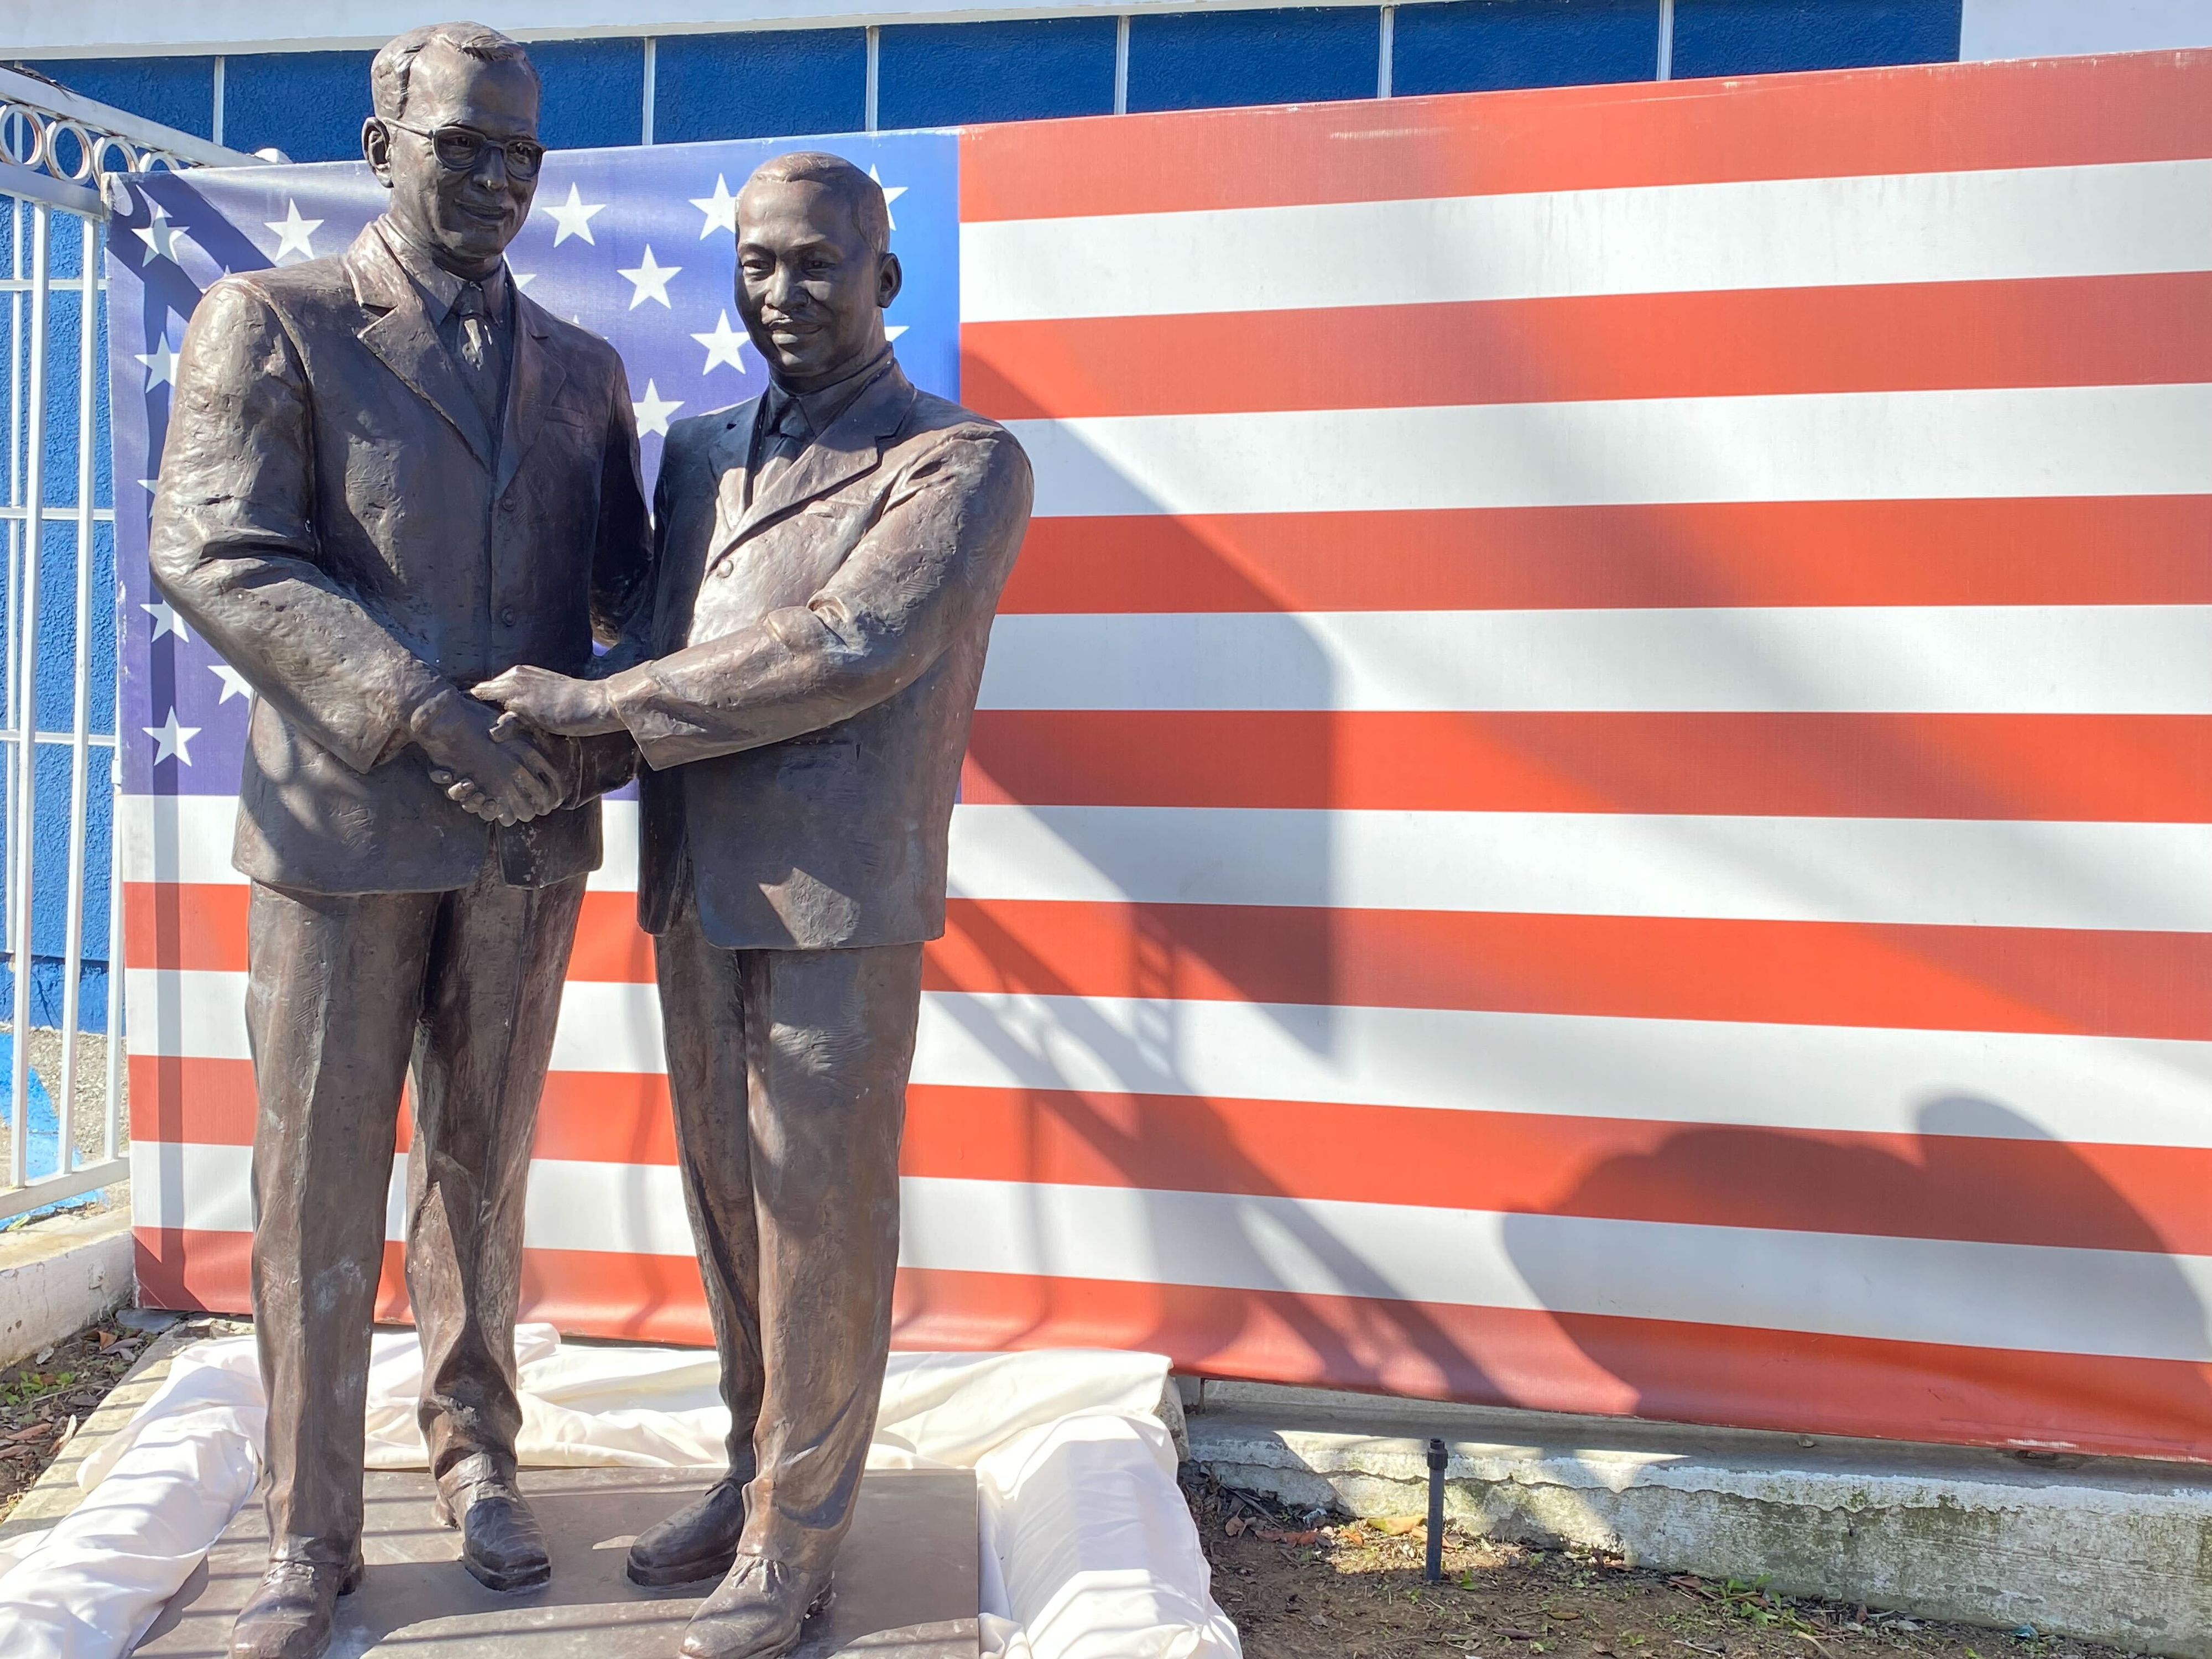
x=906 y=1578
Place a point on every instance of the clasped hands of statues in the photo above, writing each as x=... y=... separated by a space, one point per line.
x=493 y=763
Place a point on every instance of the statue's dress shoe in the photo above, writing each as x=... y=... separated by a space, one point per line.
x=289 y=1616
x=502 y=1544
x=700 y=1540
x=755 y=1612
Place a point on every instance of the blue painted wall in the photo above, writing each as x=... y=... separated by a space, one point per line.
x=768 y=83
x=942 y=75
x=1196 y=60
x=1485 y=46
x=595 y=92
x=1766 y=37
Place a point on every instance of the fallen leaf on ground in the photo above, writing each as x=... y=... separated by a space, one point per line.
x=1398 y=1526
x=1236 y=1524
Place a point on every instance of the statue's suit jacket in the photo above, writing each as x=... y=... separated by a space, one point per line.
x=335 y=515
x=817 y=655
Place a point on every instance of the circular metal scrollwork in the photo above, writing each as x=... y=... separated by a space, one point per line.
x=69 y=151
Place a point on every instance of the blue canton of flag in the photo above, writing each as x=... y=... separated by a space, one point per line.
x=637 y=245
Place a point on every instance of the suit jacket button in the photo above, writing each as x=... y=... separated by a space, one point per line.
x=506 y=615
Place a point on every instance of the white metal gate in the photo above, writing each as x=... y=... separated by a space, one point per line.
x=62 y=894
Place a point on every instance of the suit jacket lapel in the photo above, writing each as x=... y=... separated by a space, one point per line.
x=537 y=378
x=401 y=335
x=851 y=447
x=727 y=457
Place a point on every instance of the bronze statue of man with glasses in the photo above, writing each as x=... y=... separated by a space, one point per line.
x=389 y=476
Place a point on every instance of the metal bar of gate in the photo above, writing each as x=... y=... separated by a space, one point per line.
x=80 y=688
x=58 y=153
x=26 y=698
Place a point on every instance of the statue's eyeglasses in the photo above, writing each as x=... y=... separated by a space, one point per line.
x=458 y=149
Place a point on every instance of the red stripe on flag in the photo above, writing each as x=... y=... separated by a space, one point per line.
x=1916 y=1186
x=1492 y=1356
x=2080 y=768
x=1791 y=973
x=1922 y=119
x=1999 y=1190
x=1586 y=1363
x=2121 y=330
x=1911 y=977
x=2144 y=549
x=591 y=1117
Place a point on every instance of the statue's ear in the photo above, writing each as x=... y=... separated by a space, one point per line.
x=889 y=279
x=376 y=149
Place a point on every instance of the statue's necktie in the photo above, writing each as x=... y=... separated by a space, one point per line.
x=784 y=443
x=484 y=364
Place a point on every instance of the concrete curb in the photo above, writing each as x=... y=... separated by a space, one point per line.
x=2114 y=1550
x=59 y=1275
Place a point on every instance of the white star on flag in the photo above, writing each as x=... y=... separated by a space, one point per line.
x=653 y=410
x=892 y=331
x=573 y=217
x=171 y=740
x=723 y=345
x=891 y=193
x=166 y=621
x=293 y=232
x=234 y=683
x=148 y=484
x=524 y=278
x=648 y=280
x=160 y=235
x=160 y=366
x=721 y=208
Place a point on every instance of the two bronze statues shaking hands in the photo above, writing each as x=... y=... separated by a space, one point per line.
x=404 y=500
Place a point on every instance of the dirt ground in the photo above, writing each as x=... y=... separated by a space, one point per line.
x=1308 y=1586
x=44 y=1398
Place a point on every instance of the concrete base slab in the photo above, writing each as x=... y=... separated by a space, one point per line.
x=2116 y=1550
x=908 y=1580
x=60 y=1274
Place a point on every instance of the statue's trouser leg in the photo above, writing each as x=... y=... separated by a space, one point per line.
x=789 y=1071
x=702 y=1017
x=490 y=997
x=333 y=990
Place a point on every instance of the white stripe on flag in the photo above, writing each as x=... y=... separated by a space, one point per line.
x=1852 y=1079
x=1858 y=446
x=1786 y=233
x=1952 y=872
x=1949 y=872
x=188 y=838
x=2052 y=1299
x=1968 y=660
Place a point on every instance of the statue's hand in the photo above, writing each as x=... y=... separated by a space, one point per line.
x=514 y=778
x=550 y=703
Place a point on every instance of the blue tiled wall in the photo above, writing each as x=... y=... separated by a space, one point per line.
x=1482 y=45
x=308 y=104
x=1765 y=37
x=767 y=83
x=936 y=74
x=1194 y=60
x=595 y=92
x=772 y=83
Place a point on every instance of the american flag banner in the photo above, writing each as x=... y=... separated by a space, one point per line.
x=1592 y=790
